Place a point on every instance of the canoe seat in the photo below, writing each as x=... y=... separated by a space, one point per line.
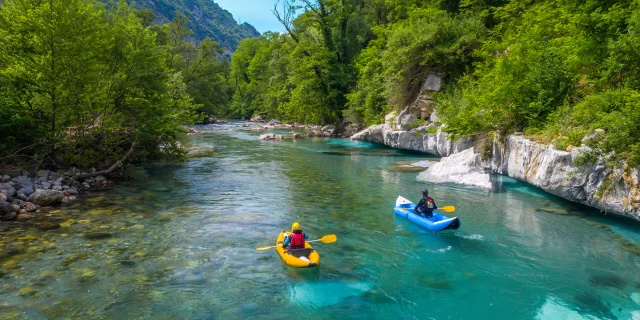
x=300 y=252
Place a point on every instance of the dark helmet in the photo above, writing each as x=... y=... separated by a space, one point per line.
x=425 y=192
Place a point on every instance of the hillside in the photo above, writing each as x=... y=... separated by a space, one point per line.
x=206 y=19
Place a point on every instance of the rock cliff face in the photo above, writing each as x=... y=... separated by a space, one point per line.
x=517 y=157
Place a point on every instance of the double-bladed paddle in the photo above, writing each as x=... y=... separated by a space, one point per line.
x=445 y=208
x=326 y=239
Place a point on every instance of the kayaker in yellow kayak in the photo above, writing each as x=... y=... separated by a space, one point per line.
x=296 y=239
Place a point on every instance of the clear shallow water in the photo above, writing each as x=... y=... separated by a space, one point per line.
x=179 y=242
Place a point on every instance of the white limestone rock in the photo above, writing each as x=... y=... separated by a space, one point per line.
x=463 y=168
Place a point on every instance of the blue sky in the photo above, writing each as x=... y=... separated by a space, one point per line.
x=255 y=12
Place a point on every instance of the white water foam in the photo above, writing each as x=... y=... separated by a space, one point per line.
x=443 y=250
x=474 y=237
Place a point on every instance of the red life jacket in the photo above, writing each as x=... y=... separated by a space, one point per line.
x=297 y=241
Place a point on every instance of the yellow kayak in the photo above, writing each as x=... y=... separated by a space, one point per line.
x=292 y=257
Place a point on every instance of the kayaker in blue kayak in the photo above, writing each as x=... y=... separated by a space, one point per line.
x=297 y=237
x=426 y=205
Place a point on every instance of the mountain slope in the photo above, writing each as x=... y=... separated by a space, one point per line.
x=206 y=19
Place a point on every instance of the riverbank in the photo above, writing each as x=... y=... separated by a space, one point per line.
x=24 y=195
x=611 y=190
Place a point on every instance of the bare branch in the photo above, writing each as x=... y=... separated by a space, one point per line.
x=113 y=167
x=287 y=16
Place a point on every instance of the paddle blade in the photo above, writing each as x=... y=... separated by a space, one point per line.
x=265 y=248
x=448 y=209
x=329 y=238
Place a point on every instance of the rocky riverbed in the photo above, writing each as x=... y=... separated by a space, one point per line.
x=24 y=195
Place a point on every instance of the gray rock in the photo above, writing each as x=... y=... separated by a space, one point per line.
x=8 y=189
x=407 y=122
x=30 y=207
x=100 y=179
x=72 y=191
x=328 y=130
x=8 y=216
x=57 y=188
x=591 y=136
x=3 y=197
x=86 y=185
x=434 y=116
x=43 y=173
x=46 y=197
x=5 y=179
x=21 y=196
x=23 y=182
x=46 y=185
x=18 y=202
x=270 y=137
x=6 y=207
x=433 y=83
x=27 y=191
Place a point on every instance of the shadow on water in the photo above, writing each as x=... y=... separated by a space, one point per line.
x=607 y=280
x=593 y=304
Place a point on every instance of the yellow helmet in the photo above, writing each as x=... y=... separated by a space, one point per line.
x=295 y=226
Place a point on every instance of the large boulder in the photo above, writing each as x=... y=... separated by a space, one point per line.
x=8 y=189
x=433 y=83
x=46 y=197
x=4 y=179
x=407 y=122
x=375 y=134
x=463 y=168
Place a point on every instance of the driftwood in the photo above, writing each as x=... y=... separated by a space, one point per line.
x=113 y=167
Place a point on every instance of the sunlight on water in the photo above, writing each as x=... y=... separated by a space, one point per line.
x=178 y=242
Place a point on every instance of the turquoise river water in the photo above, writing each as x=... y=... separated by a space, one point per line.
x=178 y=242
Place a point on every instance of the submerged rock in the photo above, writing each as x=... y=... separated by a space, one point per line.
x=406 y=168
x=97 y=235
x=271 y=137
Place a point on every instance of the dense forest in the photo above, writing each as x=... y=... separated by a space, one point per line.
x=205 y=18
x=76 y=74
x=555 y=70
x=84 y=85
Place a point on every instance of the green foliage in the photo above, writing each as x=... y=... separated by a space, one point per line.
x=430 y=40
x=205 y=18
x=82 y=85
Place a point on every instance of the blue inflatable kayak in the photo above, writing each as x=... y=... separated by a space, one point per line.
x=404 y=208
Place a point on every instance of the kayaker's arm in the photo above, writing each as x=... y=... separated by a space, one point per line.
x=418 y=207
x=306 y=237
x=286 y=241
